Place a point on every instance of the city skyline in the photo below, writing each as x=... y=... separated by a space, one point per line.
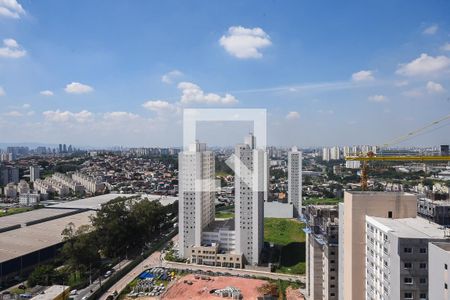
x=333 y=73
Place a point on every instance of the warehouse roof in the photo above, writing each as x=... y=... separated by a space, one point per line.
x=22 y=241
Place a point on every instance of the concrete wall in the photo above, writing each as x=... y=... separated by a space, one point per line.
x=439 y=256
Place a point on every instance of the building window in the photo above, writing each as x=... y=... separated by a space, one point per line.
x=408 y=265
x=390 y=214
x=408 y=295
x=445 y=286
x=423 y=265
x=407 y=250
x=423 y=250
x=423 y=280
x=408 y=280
x=445 y=266
x=423 y=296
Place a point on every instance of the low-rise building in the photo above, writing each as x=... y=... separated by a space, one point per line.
x=211 y=255
x=29 y=199
x=437 y=211
x=10 y=191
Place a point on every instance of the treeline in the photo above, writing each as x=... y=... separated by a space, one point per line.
x=122 y=227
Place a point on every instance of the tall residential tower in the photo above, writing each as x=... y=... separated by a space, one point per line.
x=250 y=188
x=295 y=180
x=196 y=195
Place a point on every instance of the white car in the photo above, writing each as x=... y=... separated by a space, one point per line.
x=73 y=292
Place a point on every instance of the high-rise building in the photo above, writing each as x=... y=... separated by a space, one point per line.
x=322 y=266
x=397 y=257
x=326 y=154
x=439 y=267
x=335 y=153
x=250 y=190
x=196 y=196
x=64 y=148
x=346 y=151
x=9 y=174
x=35 y=173
x=60 y=148
x=444 y=150
x=295 y=180
x=352 y=233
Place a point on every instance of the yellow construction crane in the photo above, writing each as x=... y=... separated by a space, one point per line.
x=365 y=158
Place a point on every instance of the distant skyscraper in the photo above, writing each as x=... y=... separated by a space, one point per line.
x=445 y=150
x=35 y=173
x=326 y=154
x=346 y=151
x=335 y=154
x=250 y=186
x=196 y=195
x=64 y=148
x=60 y=148
x=295 y=180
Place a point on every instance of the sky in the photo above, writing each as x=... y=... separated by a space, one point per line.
x=120 y=73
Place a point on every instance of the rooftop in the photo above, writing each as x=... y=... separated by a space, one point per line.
x=30 y=216
x=18 y=242
x=410 y=227
x=443 y=246
x=52 y=292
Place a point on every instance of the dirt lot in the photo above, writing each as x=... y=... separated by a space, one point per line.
x=200 y=288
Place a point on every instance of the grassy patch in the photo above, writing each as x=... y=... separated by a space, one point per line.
x=224 y=214
x=14 y=210
x=283 y=231
x=322 y=201
x=289 y=238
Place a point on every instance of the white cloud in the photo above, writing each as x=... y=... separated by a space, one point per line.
x=11 y=9
x=78 y=88
x=119 y=116
x=11 y=49
x=434 y=87
x=293 y=115
x=244 y=42
x=401 y=83
x=446 y=47
x=414 y=93
x=46 y=93
x=2 y=92
x=171 y=76
x=26 y=106
x=378 y=98
x=430 y=30
x=424 y=65
x=192 y=93
x=14 y=113
x=363 y=75
x=158 y=105
x=58 y=116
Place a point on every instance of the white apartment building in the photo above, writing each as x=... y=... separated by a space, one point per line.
x=29 y=199
x=196 y=196
x=91 y=185
x=295 y=180
x=10 y=191
x=23 y=187
x=42 y=186
x=250 y=190
x=346 y=151
x=438 y=268
x=326 y=154
x=35 y=173
x=335 y=153
x=352 y=164
x=69 y=182
x=397 y=257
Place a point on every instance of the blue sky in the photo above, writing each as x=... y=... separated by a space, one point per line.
x=107 y=73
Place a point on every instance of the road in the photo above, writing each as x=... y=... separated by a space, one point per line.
x=183 y=266
x=154 y=260
x=96 y=283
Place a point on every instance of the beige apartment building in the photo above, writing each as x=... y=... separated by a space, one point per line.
x=352 y=213
x=213 y=256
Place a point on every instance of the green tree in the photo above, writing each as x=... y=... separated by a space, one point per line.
x=42 y=275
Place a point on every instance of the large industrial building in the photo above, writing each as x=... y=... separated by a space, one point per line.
x=34 y=237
